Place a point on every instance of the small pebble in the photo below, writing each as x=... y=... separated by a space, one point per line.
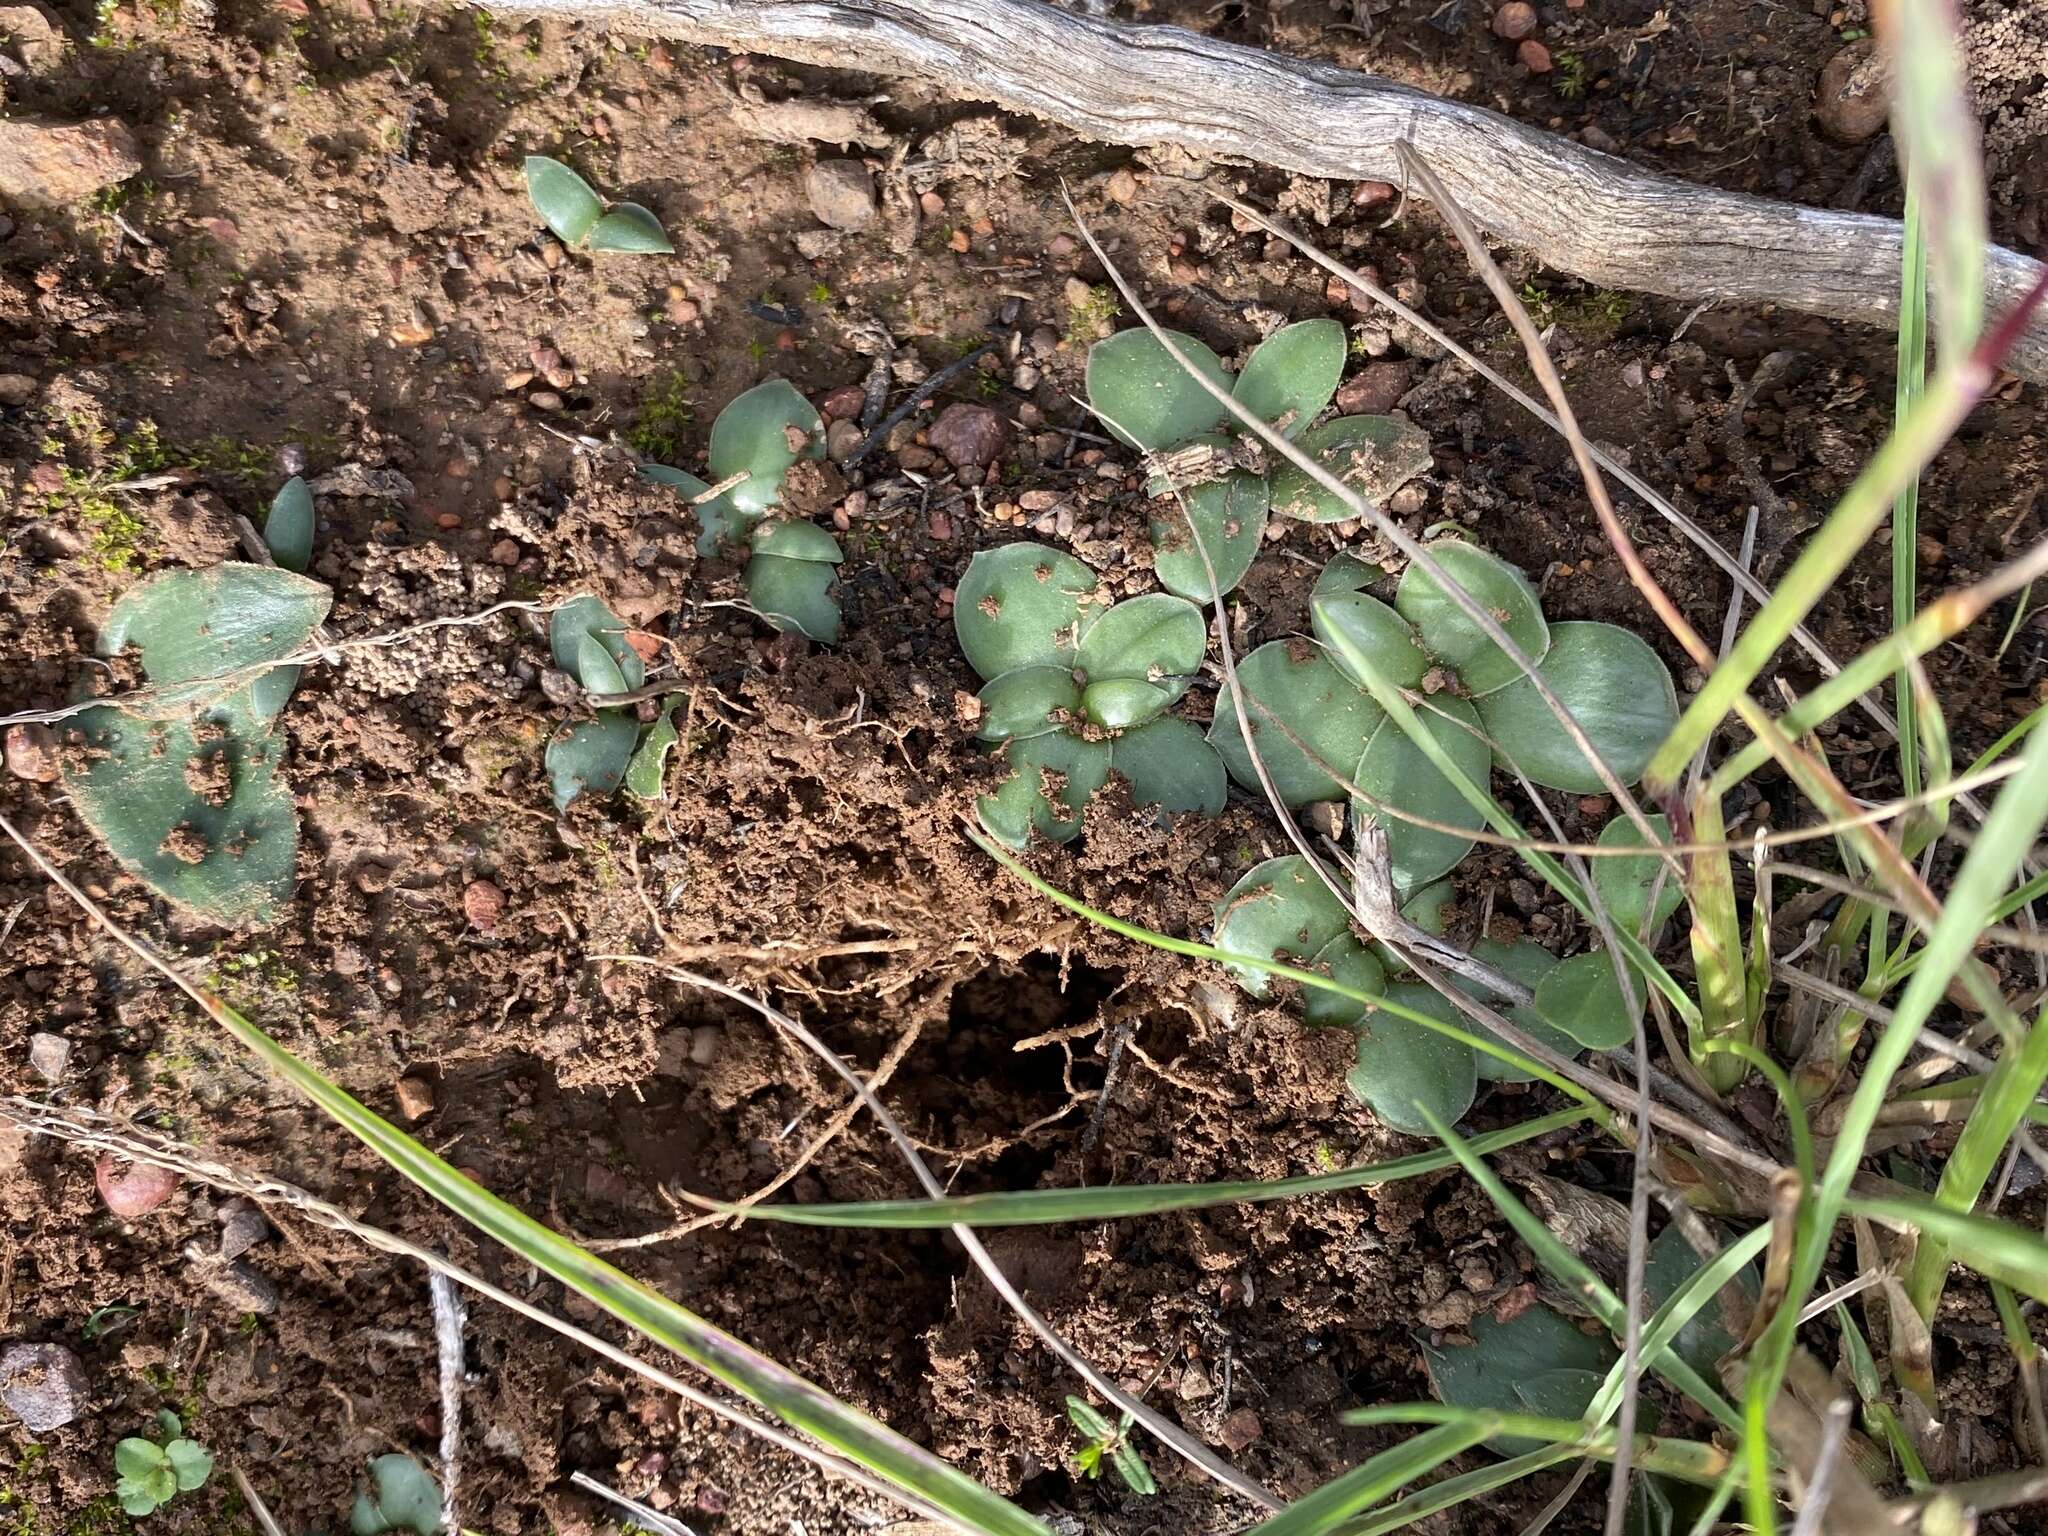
x=135 y=1190
x=50 y=1055
x=1122 y=185
x=483 y=904
x=544 y=400
x=1239 y=1430
x=242 y=1227
x=1534 y=56
x=1515 y=21
x=32 y=752
x=447 y=521
x=841 y=194
x=44 y=1385
x=17 y=389
x=415 y=1097
x=932 y=204
x=959 y=242
x=505 y=552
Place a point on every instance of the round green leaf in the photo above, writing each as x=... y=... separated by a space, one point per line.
x=1344 y=619
x=1428 y=909
x=136 y=1457
x=1168 y=764
x=288 y=530
x=1295 y=682
x=1402 y=1064
x=753 y=434
x=1116 y=703
x=1624 y=885
x=1615 y=687
x=591 y=756
x=1155 y=639
x=582 y=616
x=191 y=1463
x=196 y=625
x=1229 y=515
x=795 y=595
x=794 y=539
x=1372 y=456
x=1293 y=373
x=1280 y=910
x=1581 y=997
x=563 y=199
x=1393 y=770
x=1051 y=779
x=1528 y=962
x=1451 y=637
x=1028 y=702
x=1349 y=962
x=1145 y=398
x=631 y=230
x=402 y=1496
x=720 y=525
x=1020 y=606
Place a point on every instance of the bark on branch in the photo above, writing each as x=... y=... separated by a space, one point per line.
x=1583 y=212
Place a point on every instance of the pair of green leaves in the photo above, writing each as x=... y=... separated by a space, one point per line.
x=1111 y=1443
x=790 y=578
x=149 y=1475
x=567 y=204
x=598 y=755
x=1077 y=690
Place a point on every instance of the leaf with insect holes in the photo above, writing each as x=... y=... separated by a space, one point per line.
x=288 y=530
x=1615 y=687
x=1169 y=765
x=1484 y=1373
x=1049 y=781
x=586 y=617
x=402 y=1496
x=1581 y=997
x=1297 y=686
x=763 y=432
x=1528 y=962
x=1450 y=635
x=563 y=199
x=1345 y=961
x=631 y=230
x=1624 y=885
x=649 y=764
x=1293 y=374
x=1225 y=519
x=795 y=595
x=1021 y=605
x=721 y=527
x=1028 y=702
x=1396 y=774
x=1371 y=456
x=1145 y=398
x=1282 y=910
x=1138 y=657
x=195 y=626
x=1400 y=1063
x=1342 y=619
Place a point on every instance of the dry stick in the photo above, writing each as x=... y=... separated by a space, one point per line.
x=448 y=1348
x=1834 y=1436
x=1169 y=1433
x=102 y=1133
x=650 y=1519
x=917 y=397
x=265 y=1520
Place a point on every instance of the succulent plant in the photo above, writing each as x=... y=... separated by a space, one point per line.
x=790 y=576
x=1451 y=636
x=598 y=755
x=1615 y=687
x=1279 y=910
x=1077 y=689
x=288 y=530
x=1298 y=687
x=188 y=797
x=1373 y=456
x=569 y=206
x=1402 y=1064
x=401 y=1496
x=150 y=1473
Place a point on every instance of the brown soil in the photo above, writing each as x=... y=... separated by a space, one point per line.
x=343 y=268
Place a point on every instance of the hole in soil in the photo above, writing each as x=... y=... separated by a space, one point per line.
x=1008 y=1003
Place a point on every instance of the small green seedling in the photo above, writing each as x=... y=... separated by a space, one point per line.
x=1109 y=1443
x=598 y=755
x=150 y=1473
x=1077 y=689
x=288 y=531
x=791 y=574
x=578 y=216
x=401 y=1496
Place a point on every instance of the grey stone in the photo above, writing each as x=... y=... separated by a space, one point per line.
x=43 y=1384
x=842 y=194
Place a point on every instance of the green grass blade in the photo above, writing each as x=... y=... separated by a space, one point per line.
x=1322 y=1512
x=784 y=1393
x=1912 y=383
x=1110 y=1202
x=1692 y=1461
x=1683 y=1305
x=1998 y=1250
x=1462 y=1489
x=1569 y=1269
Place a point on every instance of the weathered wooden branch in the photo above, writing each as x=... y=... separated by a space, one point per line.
x=1580 y=211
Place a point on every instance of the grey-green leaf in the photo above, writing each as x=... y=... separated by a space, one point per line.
x=591 y=757
x=581 y=616
x=595 y=668
x=1028 y=800
x=1624 y=885
x=1401 y=1063
x=1395 y=772
x=1449 y=635
x=1229 y=515
x=1280 y=909
x=631 y=230
x=1168 y=764
x=1145 y=398
x=1559 y=1394
x=1021 y=606
x=1615 y=687
x=649 y=765
x=562 y=198
x=1296 y=683
x=790 y=538
x=1156 y=640
x=1581 y=997
x=1350 y=963
x=193 y=625
x=402 y=1496
x=1528 y=962
x=1371 y=456
x=1028 y=702
x=720 y=525
x=1670 y=1262
x=753 y=434
x=288 y=530
x=1293 y=373
x=796 y=595
x=1484 y=1374
x=1374 y=628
